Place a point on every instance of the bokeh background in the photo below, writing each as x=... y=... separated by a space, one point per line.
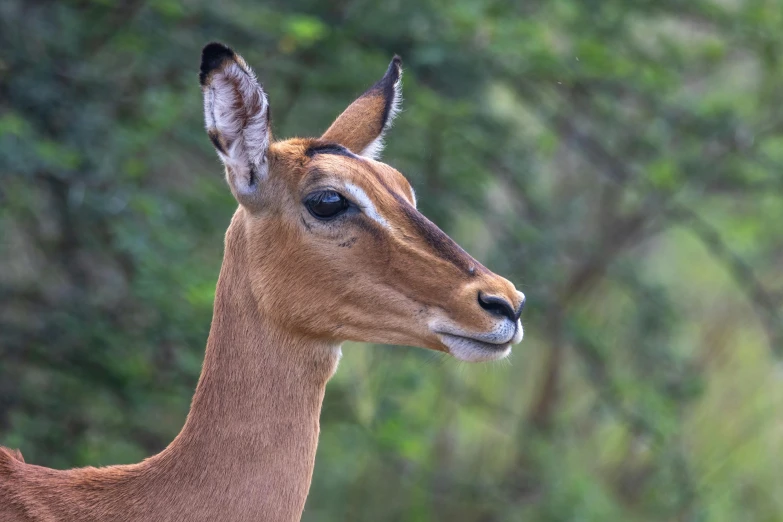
x=620 y=160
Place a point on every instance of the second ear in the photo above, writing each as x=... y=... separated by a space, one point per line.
x=360 y=128
x=236 y=114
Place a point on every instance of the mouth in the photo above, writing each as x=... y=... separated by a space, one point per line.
x=474 y=350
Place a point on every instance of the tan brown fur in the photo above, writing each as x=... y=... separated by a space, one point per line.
x=352 y=130
x=291 y=289
x=361 y=126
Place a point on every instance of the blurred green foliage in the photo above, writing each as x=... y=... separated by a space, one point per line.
x=619 y=160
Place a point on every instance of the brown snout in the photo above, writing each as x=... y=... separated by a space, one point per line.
x=489 y=298
x=500 y=306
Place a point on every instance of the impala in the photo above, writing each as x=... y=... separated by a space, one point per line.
x=326 y=246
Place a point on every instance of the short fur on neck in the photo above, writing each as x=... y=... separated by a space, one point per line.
x=247 y=449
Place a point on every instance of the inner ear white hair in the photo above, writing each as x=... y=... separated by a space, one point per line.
x=236 y=112
x=392 y=85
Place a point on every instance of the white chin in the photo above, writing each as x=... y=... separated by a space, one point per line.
x=470 y=350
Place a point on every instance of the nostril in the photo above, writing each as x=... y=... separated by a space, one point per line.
x=497 y=306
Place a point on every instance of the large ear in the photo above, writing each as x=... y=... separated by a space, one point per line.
x=361 y=126
x=236 y=111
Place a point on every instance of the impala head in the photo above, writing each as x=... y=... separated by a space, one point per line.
x=337 y=249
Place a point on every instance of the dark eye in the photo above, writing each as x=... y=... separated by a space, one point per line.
x=327 y=204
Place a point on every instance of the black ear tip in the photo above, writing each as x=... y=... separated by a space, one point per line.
x=395 y=68
x=212 y=57
x=215 y=51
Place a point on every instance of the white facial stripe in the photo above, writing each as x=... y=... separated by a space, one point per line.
x=366 y=204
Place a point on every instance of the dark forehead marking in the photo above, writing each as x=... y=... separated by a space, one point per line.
x=383 y=183
x=329 y=148
x=436 y=238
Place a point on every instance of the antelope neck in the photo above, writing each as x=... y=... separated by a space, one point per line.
x=247 y=449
